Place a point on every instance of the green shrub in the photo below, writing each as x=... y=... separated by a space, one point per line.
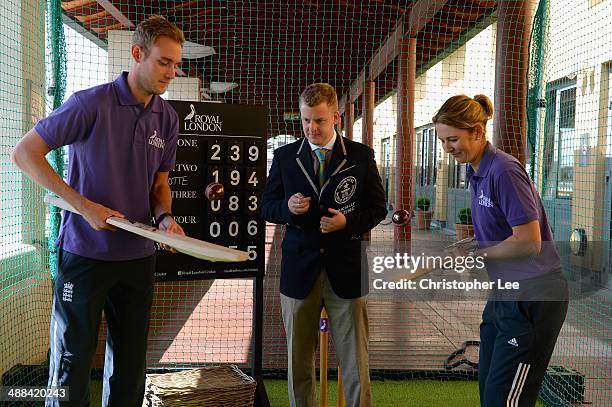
x=465 y=216
x=423 y=203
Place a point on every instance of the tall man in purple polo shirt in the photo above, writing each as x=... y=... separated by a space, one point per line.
x=519 y=328
x=122 y=142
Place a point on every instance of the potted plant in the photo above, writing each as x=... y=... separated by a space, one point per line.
x=464 y=228
x=423 y=214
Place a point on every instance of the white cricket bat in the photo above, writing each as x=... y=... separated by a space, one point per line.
x=184 y=244
x=468 y=242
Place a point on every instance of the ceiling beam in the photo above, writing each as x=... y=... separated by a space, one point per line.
x=107 y=28
x=391 y=6
x=372 y=15
x=476 y=29
x=387 y=52
x=76 y=26
x=70 y=5
x=114 y=11
x=93 y=17
x=421 y=13
x=447 y=27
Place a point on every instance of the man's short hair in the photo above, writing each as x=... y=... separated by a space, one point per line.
x=318 y=93
x=154 y=27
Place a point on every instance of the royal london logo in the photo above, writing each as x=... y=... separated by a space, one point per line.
x=201 y=122
x=484 y=200
x=156 y=141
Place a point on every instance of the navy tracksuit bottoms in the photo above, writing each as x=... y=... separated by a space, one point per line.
x=83 y=288
x=517 y=339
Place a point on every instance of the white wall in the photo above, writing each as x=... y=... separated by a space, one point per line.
x=25 y=284
x=580 y=36
x=469 y=70
x=119 y=47
x=120 y=59
x=184 y=88
x=11 y=115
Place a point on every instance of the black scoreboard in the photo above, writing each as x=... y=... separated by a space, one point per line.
x=221 y=143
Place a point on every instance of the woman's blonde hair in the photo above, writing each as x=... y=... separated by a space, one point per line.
x=464 y=112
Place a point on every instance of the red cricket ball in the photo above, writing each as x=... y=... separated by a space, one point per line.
x=214 y=191
x=400 y=217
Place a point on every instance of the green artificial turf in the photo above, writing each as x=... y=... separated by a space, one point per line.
x=388 y=393
x=392 y=393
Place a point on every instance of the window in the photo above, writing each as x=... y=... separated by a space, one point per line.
x=456 y=175
x=568 y=142
x=385 y=167
x=561 y=140
x=427 y=154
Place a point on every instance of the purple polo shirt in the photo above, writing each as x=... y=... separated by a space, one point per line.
x=116 y=145
x=503 y=196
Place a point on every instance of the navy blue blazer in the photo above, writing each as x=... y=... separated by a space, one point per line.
x=354 y=187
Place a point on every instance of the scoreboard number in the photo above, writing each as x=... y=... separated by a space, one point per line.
x=216 y=152
x=252 y=227
x=235 y=178
x=232 y=154
x=253 y=153
x=241 y=179
x=215 y=229
x=215 y=175
x=233 y=228
x=252 y=251
x=252 y=203
x=253 y=179
x=215 y=205
x=233 y=203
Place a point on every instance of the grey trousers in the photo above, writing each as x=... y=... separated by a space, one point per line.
x=348 y=321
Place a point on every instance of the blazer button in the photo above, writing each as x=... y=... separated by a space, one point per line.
x=321 y=251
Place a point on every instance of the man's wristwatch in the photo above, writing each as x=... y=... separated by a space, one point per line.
x=161 y=217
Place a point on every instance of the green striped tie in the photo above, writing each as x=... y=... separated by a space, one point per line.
x=321 y=154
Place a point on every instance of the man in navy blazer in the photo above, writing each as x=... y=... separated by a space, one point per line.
x=327 y=191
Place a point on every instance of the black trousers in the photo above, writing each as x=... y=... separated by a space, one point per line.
x=517 y=339
x=83 y=288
